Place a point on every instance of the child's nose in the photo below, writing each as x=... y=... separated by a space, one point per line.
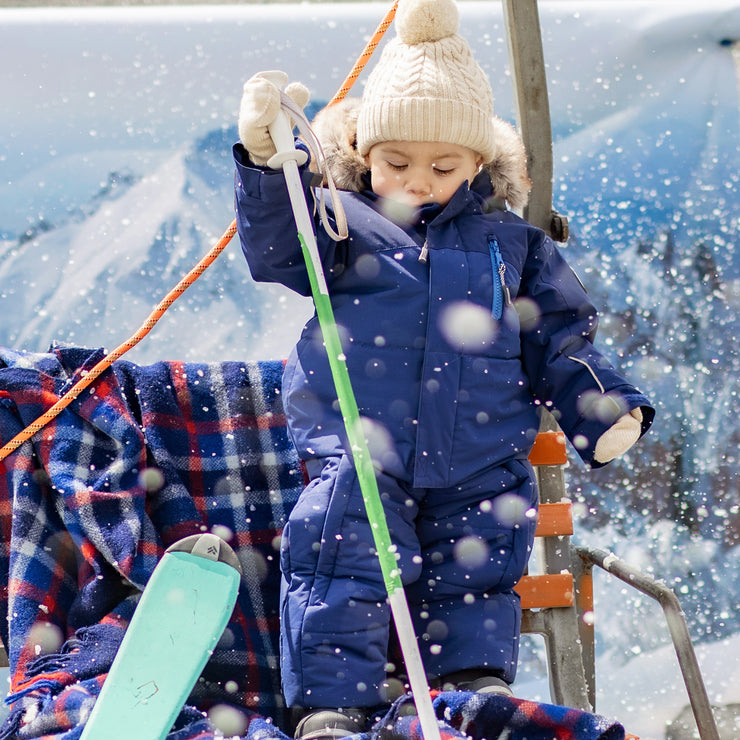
x=417 y=182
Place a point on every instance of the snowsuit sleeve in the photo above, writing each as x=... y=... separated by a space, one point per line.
x=267 y=229
x=565 y=369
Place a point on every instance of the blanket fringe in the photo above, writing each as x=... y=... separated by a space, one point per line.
x=52 y=662
x=86 y=655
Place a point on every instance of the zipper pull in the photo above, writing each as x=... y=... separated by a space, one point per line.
x=504 y=286
x=424 y=254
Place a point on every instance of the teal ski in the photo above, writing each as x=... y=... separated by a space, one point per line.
x=178 y=622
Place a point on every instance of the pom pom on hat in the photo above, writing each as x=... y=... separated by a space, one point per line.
x=418 y=21
x=426 y=85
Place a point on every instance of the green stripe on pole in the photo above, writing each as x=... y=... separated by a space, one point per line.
x=358 y=443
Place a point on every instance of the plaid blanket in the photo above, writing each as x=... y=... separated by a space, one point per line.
x=144 y=457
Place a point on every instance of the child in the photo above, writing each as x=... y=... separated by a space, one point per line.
x=459 y=319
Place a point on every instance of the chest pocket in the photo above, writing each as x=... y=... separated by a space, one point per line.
x=501 y=295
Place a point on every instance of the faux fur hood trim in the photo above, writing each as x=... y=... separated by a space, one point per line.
x=336 y=128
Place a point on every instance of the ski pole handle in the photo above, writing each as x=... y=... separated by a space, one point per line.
x=289 y=159
x=281 y=131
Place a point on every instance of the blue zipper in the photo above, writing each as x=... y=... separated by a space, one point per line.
x=500 y=291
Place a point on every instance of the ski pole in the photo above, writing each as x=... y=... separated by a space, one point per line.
x=288 y=157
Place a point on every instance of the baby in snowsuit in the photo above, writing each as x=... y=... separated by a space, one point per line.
x=458 y=320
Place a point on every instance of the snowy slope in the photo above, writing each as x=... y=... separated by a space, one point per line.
x=104 y=269
x=647 y=693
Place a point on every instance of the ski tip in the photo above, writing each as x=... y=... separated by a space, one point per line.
x=209 y=546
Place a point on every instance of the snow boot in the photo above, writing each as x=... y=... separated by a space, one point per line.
x=477 y=680
x=330 y=724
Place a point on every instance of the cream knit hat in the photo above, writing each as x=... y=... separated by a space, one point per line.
x=427 y=86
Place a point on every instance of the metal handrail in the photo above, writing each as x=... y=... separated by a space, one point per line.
x=677 y=627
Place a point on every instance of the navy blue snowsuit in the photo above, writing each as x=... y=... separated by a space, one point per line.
x=453 y=418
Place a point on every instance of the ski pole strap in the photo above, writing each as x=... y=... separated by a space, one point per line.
x=319 y=158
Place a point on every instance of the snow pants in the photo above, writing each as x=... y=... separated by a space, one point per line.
x=461 y=550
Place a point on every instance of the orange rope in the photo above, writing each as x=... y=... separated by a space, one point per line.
x=366 y=54
x=186 y=281
x=132 y=341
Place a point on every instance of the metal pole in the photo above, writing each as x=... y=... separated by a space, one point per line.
x=532 y=106
x=676 y=626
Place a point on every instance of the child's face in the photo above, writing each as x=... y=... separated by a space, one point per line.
x=419 y=172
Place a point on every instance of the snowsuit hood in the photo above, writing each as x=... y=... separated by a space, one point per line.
x=336 y=128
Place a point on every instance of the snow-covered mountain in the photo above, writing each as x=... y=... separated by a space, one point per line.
x=117 y=179
x=93 y=276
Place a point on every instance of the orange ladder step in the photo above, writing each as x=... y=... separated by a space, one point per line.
x=554 y=520
x=544 y=591
x=549 y=449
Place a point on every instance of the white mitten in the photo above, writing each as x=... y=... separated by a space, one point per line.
x=616 y=440
x=259 y=108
